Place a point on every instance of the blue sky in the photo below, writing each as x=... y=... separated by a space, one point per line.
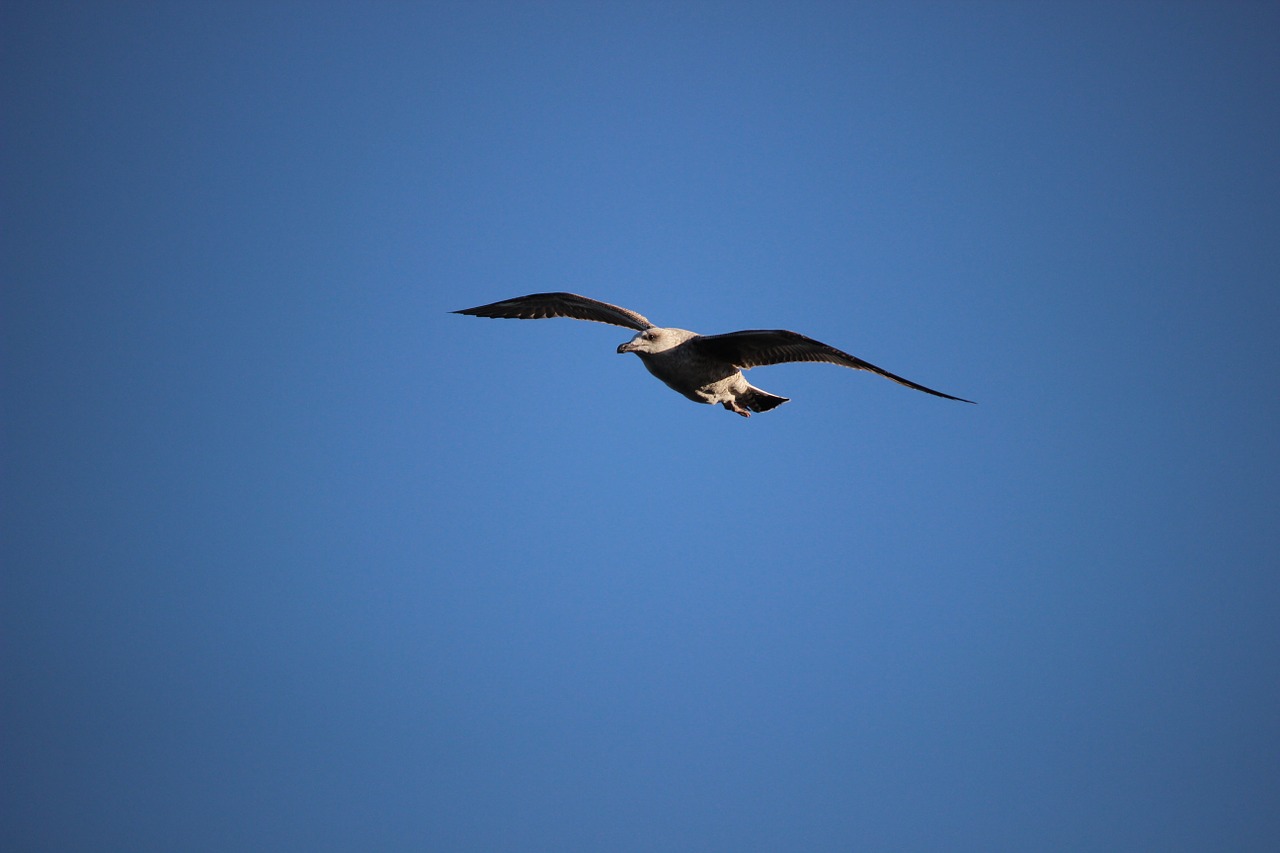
x=295 y=559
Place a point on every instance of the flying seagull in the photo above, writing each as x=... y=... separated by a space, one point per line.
x=704 y=368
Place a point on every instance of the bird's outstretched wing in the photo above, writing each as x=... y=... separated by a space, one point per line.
x=538 y=306
x=759 y=347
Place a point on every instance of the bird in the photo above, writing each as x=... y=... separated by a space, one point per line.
x=704 y=368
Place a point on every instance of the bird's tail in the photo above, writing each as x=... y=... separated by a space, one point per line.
x=760 y=401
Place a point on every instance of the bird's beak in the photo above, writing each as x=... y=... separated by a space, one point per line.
x=629 y=346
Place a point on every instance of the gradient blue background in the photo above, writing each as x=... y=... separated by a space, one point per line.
x=294 y=559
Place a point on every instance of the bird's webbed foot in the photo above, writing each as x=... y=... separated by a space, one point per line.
x=732 y=405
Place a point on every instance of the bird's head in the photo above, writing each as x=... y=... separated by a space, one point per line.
x=656 y=340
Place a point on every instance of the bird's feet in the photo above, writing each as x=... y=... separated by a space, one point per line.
x=732 y=405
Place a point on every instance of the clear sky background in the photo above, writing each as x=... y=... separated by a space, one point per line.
x=295 y=559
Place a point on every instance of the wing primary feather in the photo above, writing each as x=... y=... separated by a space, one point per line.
x=541 y=306
x=761 y=347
